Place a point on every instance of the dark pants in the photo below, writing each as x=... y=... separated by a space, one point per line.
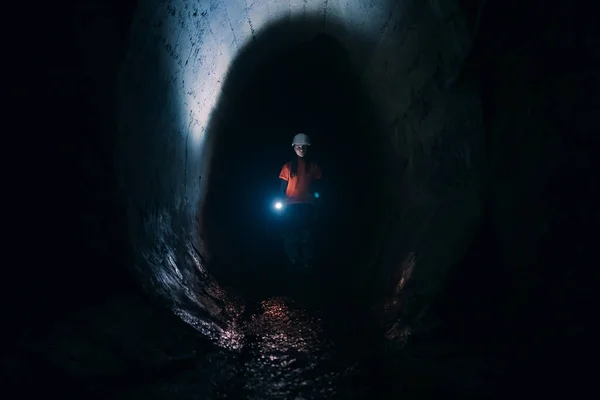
x=299 y=234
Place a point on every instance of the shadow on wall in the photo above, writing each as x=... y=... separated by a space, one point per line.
x=294 y=76
x=426 y=166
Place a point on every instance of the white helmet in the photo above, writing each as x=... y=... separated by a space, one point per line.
x=301 y=139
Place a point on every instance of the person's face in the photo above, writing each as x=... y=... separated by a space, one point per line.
x=300 y=149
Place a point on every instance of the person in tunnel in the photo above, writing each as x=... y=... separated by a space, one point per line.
x=300 y=181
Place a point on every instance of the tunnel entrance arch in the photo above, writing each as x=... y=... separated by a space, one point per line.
x=306 y=83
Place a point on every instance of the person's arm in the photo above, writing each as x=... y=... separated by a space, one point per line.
x=283 y=187
x=317 y=182
x=284 y=177
x=316 y=187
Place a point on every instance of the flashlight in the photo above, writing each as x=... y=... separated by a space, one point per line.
x=278 y=205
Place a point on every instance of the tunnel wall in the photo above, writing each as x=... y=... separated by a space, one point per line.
x=179 y=54
x=435 y=131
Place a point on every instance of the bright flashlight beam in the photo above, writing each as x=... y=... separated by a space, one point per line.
x=278 y=205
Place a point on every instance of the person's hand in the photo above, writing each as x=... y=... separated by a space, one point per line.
x=317 y=202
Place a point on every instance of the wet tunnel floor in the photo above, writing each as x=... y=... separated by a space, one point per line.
x=300 y=348
x=300 y=334
x=292 y=352
x=287 y=351
x=285 y=348
x=302 y=337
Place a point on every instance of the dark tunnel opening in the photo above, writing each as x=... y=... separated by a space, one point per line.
x=308 y=87
x=514 y=314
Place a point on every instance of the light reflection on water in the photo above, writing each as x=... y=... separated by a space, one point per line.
x=228 y=338
x=275 y=349
x=282 y=352
x=285 y=348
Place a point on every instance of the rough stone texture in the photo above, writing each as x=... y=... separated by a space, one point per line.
x=523 y=292
x=177 y=63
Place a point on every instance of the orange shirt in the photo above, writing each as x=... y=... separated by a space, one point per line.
x=298 y=188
